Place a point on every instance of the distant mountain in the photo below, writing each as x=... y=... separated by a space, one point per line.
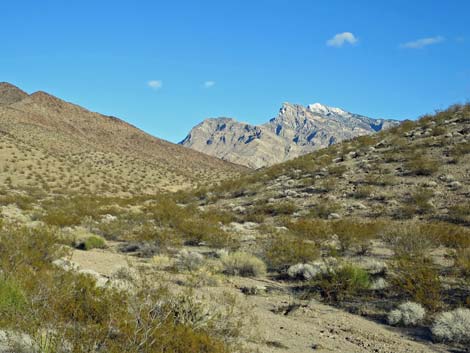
x=43 y=138
x=295 y=131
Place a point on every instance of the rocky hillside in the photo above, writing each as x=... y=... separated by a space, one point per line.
x=415 y=170
x=49 y=142
x=297 y=130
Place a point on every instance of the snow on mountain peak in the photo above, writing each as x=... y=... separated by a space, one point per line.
x=324 y=109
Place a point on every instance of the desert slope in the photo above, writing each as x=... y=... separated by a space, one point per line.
x=86 y=140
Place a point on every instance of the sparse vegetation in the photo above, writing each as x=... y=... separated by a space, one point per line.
x=452 y=326
x=284 y=251
x=368 y=225
x=407 y=314
x=346 y=280
x=243 y=264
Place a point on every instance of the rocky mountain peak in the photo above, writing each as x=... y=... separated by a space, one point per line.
x=295 y=131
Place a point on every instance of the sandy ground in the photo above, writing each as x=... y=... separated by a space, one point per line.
x=310 y=327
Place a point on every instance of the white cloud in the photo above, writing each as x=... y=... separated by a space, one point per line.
x=155 y=84
x=209 y=84
x=340 y=39
x=423 y=42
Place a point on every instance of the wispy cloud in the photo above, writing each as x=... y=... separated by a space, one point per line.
x=209 y=84
x=342 y=38
x=423 y=42
x=155 y=84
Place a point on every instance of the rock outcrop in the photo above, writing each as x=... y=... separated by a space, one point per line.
x=295 y=131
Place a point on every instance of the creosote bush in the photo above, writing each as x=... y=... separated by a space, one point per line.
x=418 y=279
x=343 y=281
x=420 y=165
x=64 y=311
x=283 y=251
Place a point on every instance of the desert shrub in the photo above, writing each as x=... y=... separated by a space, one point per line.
x=460 y=213
x=418 y=279
x=243 y=264
x=283 y=251
x=307 y=271
x=343 y=281
x=379 y=284
x=65 y=311
x=162 y=262
x=420 y=199
x=355 y=234
x=11 y=296
x=337 y=171
x=452 y=326
x=406 y=314
x=70 y=211
x=324 y=209
x=93 y=242
x=22 y=248
x=24 y=202
x=410 y=240
x=363 y=192
x=301 y=271
x=276 y=209
x=421 y=165
x=192 y=225
x=311 y=229
x=460 y=150
x=462 y=262
x=161 y=238
x=189 y=260
x=438 y=130
x=373 y=266
x=442 y=233
x=218 y=216
x=328 y=185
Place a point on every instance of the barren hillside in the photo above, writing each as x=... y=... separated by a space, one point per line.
x=44 y=138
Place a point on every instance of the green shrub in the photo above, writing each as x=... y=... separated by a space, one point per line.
x=276 y=209
x=324 y=209
x=337 y=171
x=311 y=229
x=421 y=165
x=70 y=211
x=284 y=251
x=345 y=281
x=11 y=296
x=94 y=242
x=353 y=233
x=460 y=150
x=418 y=279
x=84 y=316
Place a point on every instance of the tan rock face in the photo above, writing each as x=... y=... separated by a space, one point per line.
x=295 y=131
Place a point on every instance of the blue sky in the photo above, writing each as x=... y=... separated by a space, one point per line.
x=166 y=65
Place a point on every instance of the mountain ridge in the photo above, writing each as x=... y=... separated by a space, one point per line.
x=295 y=131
